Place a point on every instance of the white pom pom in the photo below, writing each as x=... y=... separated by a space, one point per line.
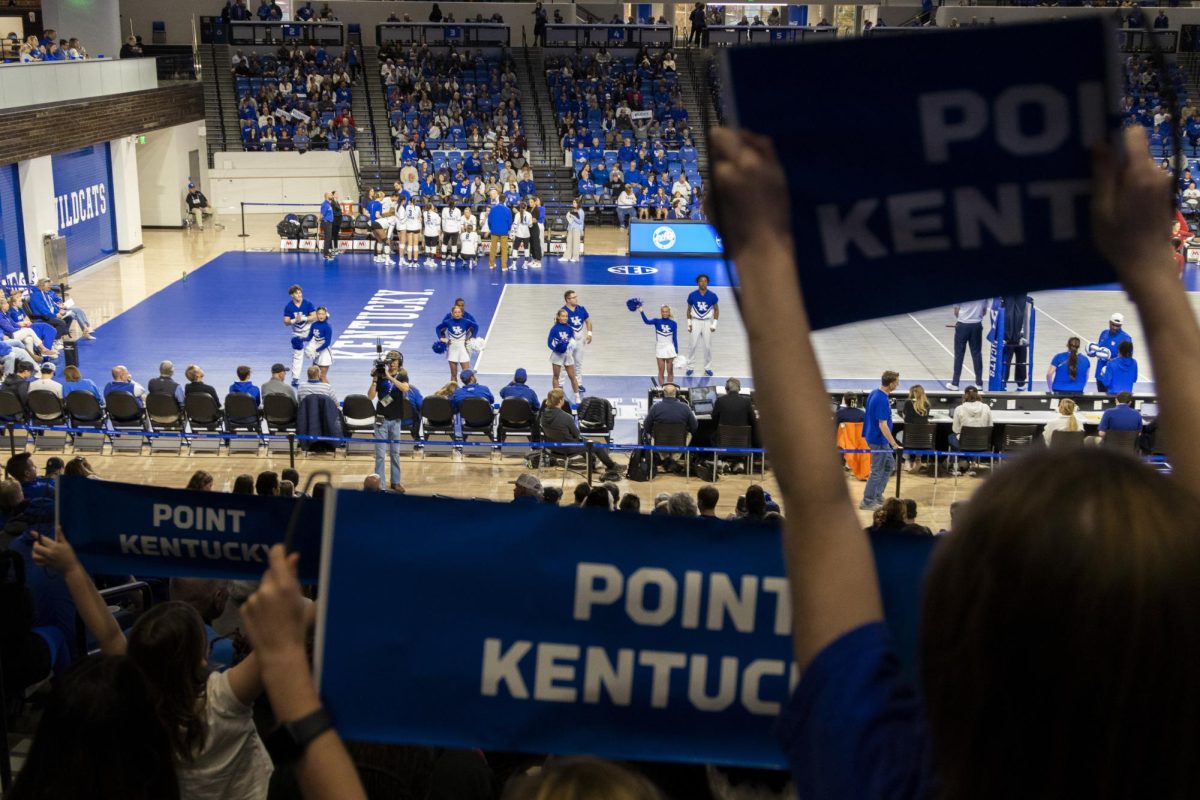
x=476 y=344
x=681 y=362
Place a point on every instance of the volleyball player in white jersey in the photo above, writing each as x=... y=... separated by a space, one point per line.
x=451 y=229
x=412 y=231
x=387 y=222
x=469 y=238
x=580 y=322
x=703 y=312
x=431 y=223
x=522 y=220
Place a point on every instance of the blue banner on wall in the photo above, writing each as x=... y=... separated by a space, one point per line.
x=126 y=529
x=678 y=238
x=83 y=195
x=12 y=236
x=970 y=181
x=561 y=630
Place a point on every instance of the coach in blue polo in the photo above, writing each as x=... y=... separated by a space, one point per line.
x=877 y=430
x=499 y=221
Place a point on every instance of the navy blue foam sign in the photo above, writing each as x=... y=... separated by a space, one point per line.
x=83 y=196
x=561 y=630
x=126 y=529
x=12 y=242
x=673 y=238
x=925 y=170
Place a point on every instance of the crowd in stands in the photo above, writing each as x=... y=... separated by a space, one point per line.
x=624 y=130
x=453 y=101
x=296 y=99
x=49 y=48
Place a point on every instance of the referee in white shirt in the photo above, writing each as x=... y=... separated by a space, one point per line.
x=968 y=330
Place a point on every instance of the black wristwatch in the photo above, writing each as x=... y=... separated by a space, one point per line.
x=287 y=742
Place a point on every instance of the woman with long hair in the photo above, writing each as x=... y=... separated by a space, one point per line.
x=1065 y=421
x=1057 y=645
x=200 y=481
x=208 y=716
x=916 y=410
x=1069 y=370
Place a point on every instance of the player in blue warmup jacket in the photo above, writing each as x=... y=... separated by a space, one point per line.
x=298 y=315
x=1121 y=373
x=320 y=338
x=666 y=343
x=561 y=341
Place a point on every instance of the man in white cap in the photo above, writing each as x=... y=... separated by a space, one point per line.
x=527 y=489
x=1110 y=338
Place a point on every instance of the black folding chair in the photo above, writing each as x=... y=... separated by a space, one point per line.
x=127 y=420
x=437 y=419
x=671 y=434
x=735 y=436
x=46 y=408
x=242 y=416
x=478 y=418
x=358 y=421
x=84 y=411
x=975 y=440
x=516 y=418
x=204 y=415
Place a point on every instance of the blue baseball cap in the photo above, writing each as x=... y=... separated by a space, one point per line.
x=467 y=374
x=520 y=375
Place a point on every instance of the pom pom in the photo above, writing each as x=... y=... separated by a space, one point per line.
x=477 y=344
x=561 y=345
x=439 y=347
x=633 y=304
x=681 y=362
x=297 y=343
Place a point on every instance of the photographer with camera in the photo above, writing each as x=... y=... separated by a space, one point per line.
x=389 y=388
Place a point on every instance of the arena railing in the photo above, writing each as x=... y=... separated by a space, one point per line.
x=473 y=34
x=609 y=35
x=529 y=447
x=731 y=35
x=256 y=32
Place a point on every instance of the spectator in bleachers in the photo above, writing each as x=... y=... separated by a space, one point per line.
x=122 y=381
x=75 y=382
x=200 y=481
x=471 y=388
x=196 y=384
x=208 y=598
x=266 y=484
x=17 y=382
x=243 y=484
x=166 y=384
x=79 y=467
x=314 y=385
x=244 y=385
x=45 y=332
x=560 y=426
x=306 y=13
x=208 y=715
x=527 y=489
x=707 y=497
x=626 y=204
x=45 y=305
x=518 y=388
x=46 y=383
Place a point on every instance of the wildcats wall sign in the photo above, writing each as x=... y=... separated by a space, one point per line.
x=83 y=192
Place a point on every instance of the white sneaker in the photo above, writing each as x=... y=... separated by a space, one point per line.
x=952 y=387
x=536 y=265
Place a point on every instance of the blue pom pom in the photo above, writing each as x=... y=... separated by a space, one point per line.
x=439 y=347
x=633 y=304
x=560 y=346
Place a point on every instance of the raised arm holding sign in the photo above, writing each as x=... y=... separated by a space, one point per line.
x=1034 y=615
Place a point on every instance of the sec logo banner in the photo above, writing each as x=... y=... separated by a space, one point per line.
x=663 y=237
x=632 y=269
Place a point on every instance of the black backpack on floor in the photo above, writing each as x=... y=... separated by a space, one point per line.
x=639 y=466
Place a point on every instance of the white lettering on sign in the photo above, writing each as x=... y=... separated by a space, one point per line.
x=198 y=518
x=387 y=320
x=1024 y=121
x=81 y=205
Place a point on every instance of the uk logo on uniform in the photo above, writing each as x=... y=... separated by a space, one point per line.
x=632 y=269
x=663 y=237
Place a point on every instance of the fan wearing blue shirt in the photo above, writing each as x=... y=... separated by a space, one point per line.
x=518 y=388
x=298 y=315
x=1121 y=373
x=1121 y=417
x=877 y=430
x=471 y=388
x=243 y=385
